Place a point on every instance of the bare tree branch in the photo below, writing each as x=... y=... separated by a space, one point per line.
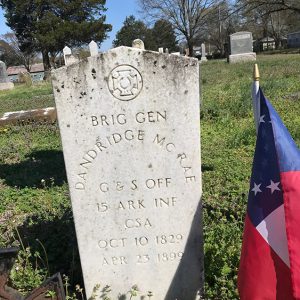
x=188 y=17
x=26 y=58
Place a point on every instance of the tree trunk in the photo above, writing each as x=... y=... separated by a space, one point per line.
x=52 y=60
x=46 y=62
x=27 y=65
x=191 y=48
x=277 y=43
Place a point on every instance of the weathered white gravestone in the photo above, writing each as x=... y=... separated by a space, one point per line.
x=203 y=52
x=130 y=128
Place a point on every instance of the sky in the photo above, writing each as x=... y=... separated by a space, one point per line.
x=117 y=11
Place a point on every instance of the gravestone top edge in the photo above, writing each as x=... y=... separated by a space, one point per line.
x=240 y=33
x=122 y=49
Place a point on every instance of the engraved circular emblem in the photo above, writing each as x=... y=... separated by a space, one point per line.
x=125 y=82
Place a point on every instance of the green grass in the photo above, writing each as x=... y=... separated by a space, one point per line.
x=228 y=141
x=34 y=193
x=24 y=97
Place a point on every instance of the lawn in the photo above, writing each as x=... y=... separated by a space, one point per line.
x=34 y=193
x=24 y=97
x=228 y=141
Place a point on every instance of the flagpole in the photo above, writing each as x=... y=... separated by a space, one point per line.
x=255 y=96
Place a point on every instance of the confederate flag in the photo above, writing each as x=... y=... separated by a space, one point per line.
x=270 y=259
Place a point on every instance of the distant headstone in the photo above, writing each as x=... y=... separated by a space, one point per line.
x=161 y=50
x=139 y=44
x=130 y=128
x=241 y=47
x=5 y=84
x=94 y=50
x=69 y=57
x=203 y=52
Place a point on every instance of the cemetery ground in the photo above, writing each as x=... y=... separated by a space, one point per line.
x=35 y=210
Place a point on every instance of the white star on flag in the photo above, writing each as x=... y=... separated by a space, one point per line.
x=273 y=186
x=261 y=119
x=256 y=188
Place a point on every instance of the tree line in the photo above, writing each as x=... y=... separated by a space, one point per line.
x=212 y=21
x=161 y=34
x=46 y=26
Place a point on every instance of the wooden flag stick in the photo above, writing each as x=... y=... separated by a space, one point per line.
x=256 y=96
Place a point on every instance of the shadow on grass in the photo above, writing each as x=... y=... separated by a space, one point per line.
x=40 y=169
x=56 y=242
x=205 y=168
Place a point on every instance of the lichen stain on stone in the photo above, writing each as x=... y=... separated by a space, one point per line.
x=83 y=60
x=94 y=73
x=150 y=55
x=75 y=80
x=186 y=91
x=100 y=56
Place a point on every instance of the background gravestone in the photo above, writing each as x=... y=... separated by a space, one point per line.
x=130 y=128
x=203 y=52
x=5 y=84
x=241 y=47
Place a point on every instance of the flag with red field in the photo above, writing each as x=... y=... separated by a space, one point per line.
x=270 y=259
